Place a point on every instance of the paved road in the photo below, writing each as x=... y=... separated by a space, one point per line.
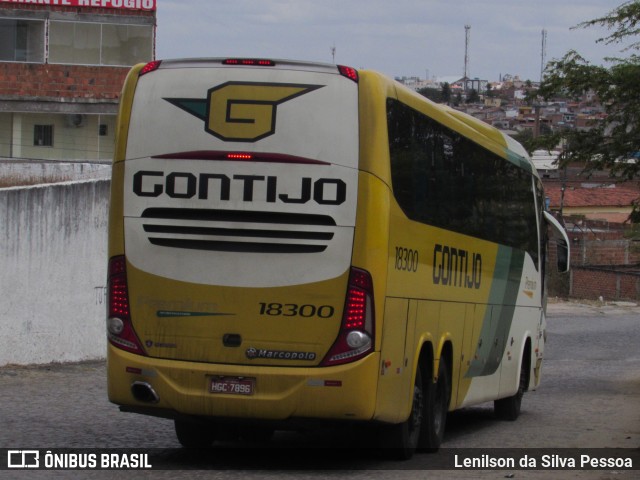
x=589 y=398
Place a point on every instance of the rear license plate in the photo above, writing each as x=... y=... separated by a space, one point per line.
x=232 y=385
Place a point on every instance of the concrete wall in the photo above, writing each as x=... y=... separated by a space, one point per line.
x=28 y=172
x=53 y=264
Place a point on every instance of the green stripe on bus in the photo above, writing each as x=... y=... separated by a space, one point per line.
x=519 y=161
x=499 y=314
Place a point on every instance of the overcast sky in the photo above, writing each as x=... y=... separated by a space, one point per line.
x=396 y=37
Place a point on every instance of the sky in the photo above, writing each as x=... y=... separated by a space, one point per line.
x=424 y=38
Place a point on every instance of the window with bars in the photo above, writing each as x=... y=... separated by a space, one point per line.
x=43 y=135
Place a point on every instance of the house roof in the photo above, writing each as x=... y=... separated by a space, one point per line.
x=580 y=196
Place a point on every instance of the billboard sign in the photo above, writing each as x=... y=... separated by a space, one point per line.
x=117 y=4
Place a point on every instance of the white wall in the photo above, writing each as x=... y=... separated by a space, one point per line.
x=74 y=137
x=5 y=134
x=52 y=272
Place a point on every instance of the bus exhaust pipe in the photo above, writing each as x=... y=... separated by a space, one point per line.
x=144 y=392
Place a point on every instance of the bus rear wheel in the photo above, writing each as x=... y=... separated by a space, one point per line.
x=509 y=408
x=436 y=407
x=401 y=440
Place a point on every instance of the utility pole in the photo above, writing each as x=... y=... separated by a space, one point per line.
x=333 y=53
x=467 y=31
x=543 y=55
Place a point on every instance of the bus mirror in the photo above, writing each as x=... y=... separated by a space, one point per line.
x=562 y=255
x=562 y=242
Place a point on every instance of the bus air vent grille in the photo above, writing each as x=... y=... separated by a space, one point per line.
x=238 y=231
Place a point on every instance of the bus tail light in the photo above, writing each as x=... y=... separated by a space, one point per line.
x=249 y=62
x=119 y=327
x=150 y=67
x=356 y=337
x=349 y=72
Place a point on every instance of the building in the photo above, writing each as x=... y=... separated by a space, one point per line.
x=609 y=203
x=62 y=66
x=476 y=84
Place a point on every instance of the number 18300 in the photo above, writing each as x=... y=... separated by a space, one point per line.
x=406 y=259
x=295 y=310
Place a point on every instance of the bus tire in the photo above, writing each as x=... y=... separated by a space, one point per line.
x=437 y=396
x=401 y=440
x=509 y=408
x=194 y=435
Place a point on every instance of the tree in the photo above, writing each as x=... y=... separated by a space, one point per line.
x=431 y=93
x=439 y=96
x=614 y=142
x=473 y=96
x=446 y=92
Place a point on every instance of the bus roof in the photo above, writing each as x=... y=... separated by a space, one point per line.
x=208 y=62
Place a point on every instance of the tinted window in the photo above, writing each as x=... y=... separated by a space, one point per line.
x=443 y=179
x=21 y=40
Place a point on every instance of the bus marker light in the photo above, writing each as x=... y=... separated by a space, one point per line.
x=249 y=62
x=239 y=156
x=150 y=67
x=349 y=72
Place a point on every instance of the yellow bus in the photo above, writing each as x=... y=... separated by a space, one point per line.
x=300 y=243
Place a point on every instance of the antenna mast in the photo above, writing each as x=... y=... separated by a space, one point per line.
x=467 y=30
x=543 y=55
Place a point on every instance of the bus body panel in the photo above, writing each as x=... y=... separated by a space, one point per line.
x=272 y=110
x=183 y=321
x=238 y=265
x=281 y=393
x=179 y=204
x=393 y=399
x=273 y=232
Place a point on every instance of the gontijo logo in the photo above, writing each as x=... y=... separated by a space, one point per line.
x=242 y=111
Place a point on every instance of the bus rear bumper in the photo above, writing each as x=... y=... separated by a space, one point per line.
x=345 y=392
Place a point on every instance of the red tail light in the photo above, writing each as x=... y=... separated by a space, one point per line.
x=349 y=72
x=239 y=156
x=150 y=67
x=249 y=62
x=119 y=328
x=356 y=337
x=249 y=156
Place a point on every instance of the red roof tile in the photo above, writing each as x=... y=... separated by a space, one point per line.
x=592 y=197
